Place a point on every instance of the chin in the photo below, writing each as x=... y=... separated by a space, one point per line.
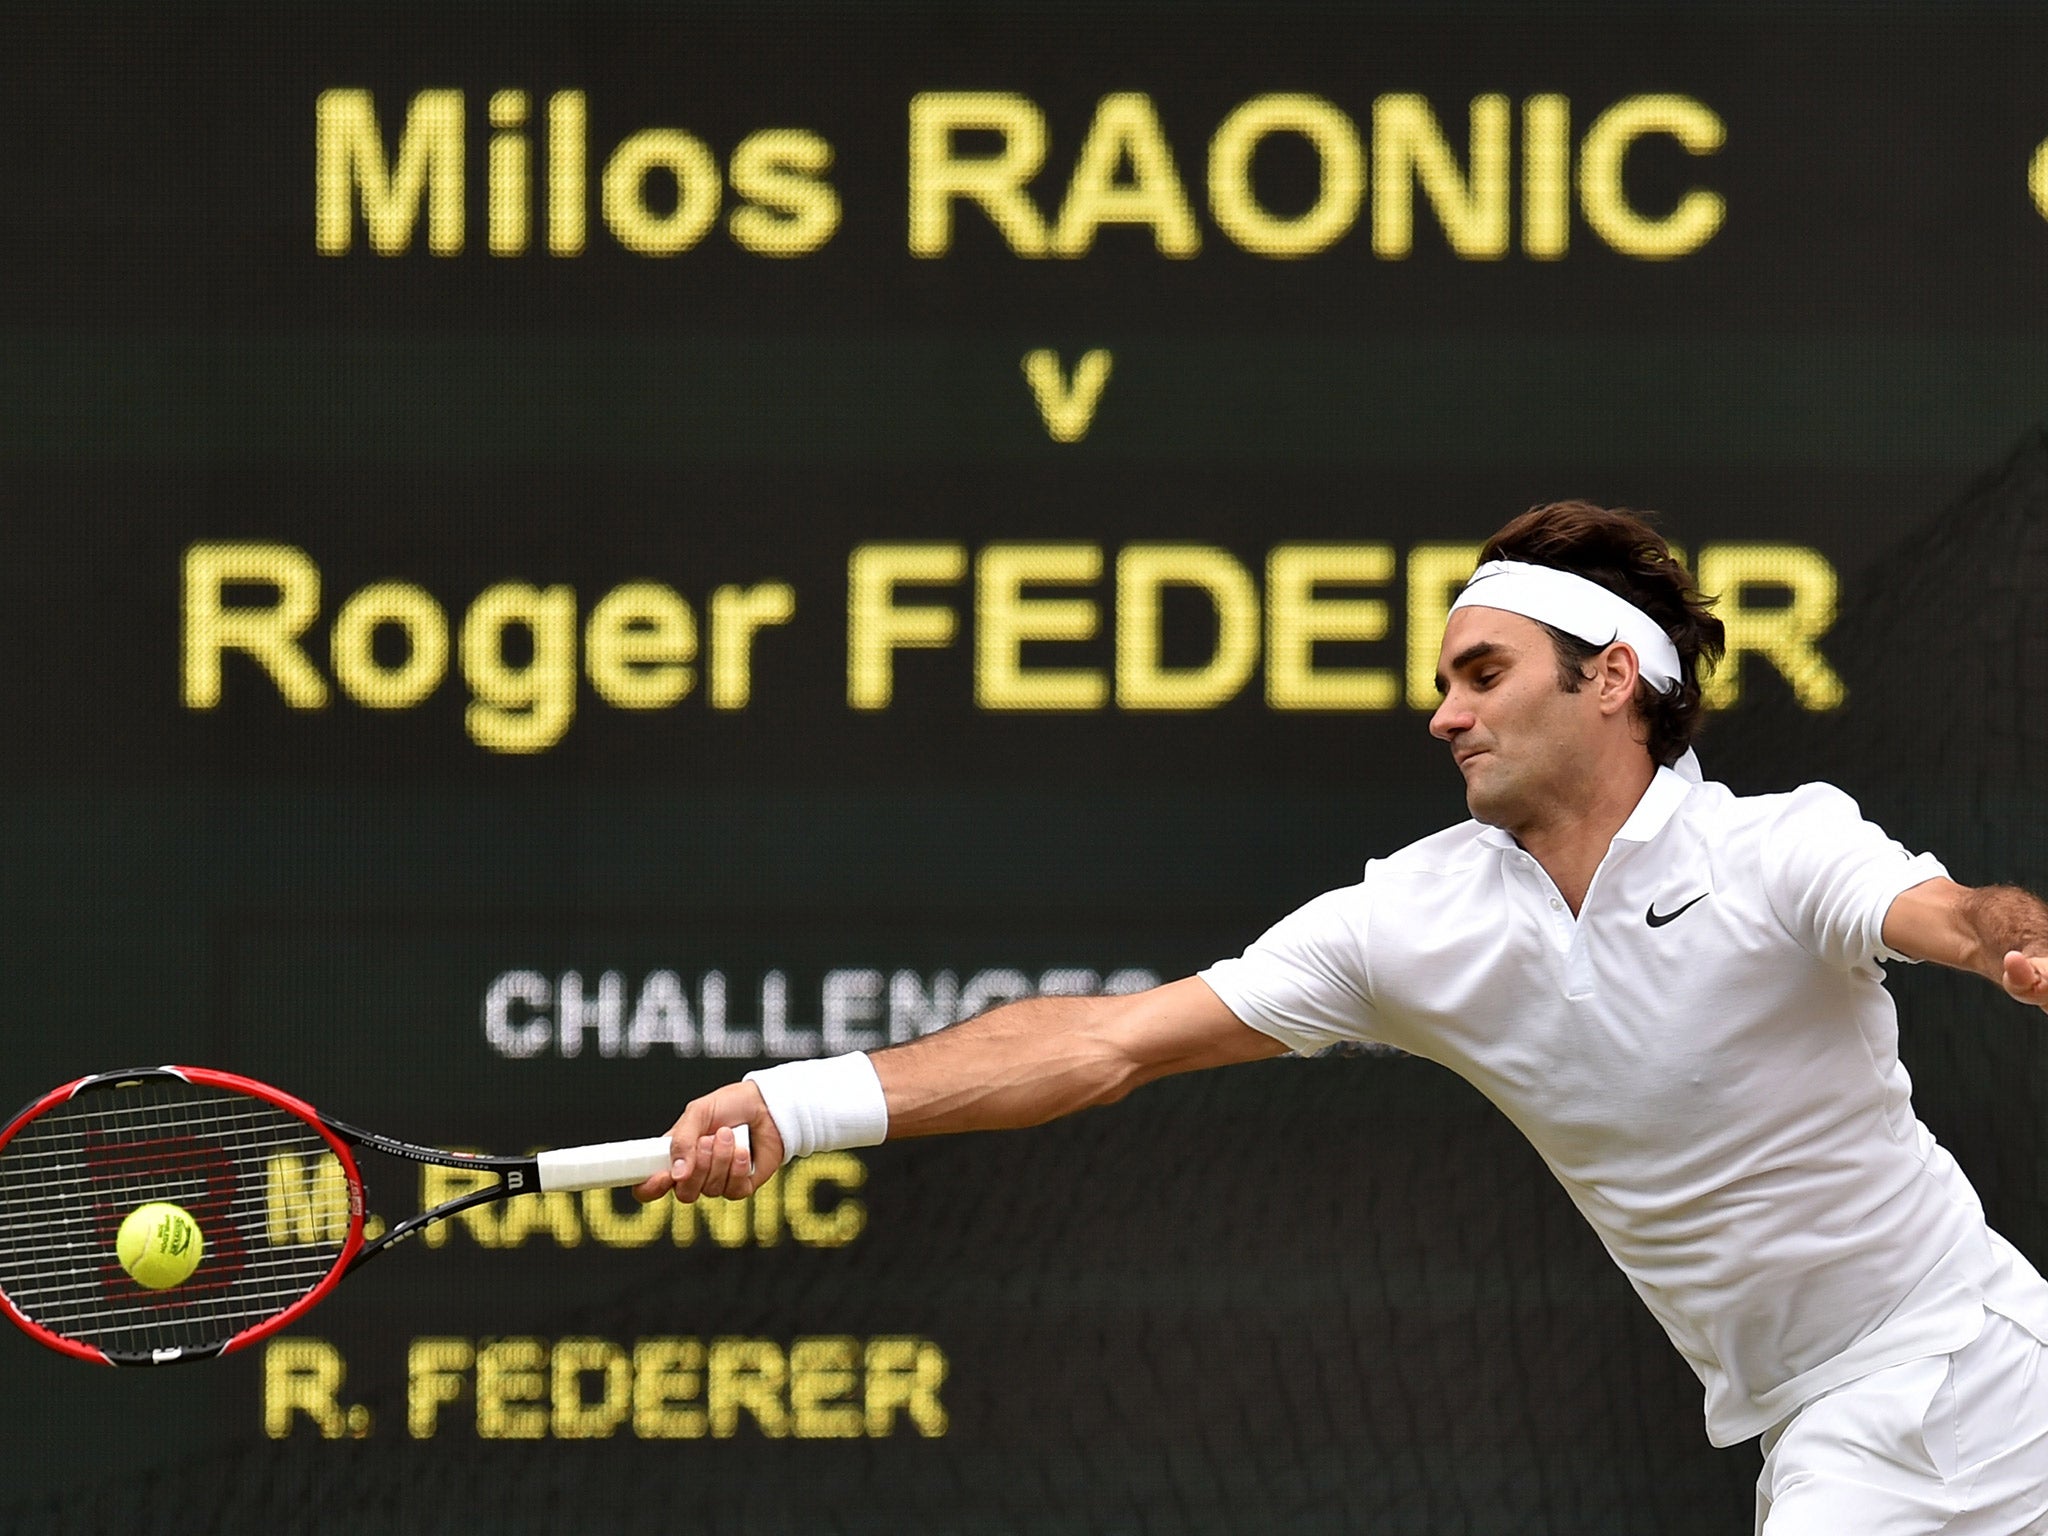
x=1485 y=812
x=1489 y=803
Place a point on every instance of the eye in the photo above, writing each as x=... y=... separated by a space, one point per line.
x=1487 y=678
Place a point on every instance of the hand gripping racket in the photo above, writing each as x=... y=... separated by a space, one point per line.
x=271 y=1181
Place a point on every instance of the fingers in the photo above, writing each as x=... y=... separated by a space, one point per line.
x=690 y=1142
x=2026 y=978
x=727 y=1171
x=708 y=1157
x=653 y=1187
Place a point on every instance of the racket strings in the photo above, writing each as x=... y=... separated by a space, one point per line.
x=271 y=1200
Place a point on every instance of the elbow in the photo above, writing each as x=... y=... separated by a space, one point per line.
x=1130 y=1041
x=1108 y=1056
x=1111 y=1074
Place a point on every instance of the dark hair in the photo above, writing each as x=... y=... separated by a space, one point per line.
x=1619 y=550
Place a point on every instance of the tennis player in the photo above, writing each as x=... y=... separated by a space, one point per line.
x=1675 y=992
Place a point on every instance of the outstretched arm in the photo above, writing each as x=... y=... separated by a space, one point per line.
x=1019 y=1065
x=1049 y=1056
x=1998 y=931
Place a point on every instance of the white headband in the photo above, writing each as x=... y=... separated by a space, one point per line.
x=1577 y=606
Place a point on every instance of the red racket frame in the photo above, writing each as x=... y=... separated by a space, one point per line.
x=233 y=1083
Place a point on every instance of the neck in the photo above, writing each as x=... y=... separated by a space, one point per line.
x=1574 y=837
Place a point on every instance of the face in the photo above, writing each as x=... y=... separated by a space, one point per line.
x=1524 y=745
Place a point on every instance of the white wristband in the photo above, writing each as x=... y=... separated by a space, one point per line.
x=821 y=1106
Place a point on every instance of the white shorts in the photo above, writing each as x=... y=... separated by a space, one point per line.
x=1956 y=1444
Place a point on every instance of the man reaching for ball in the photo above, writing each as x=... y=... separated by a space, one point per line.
x=1673 y=991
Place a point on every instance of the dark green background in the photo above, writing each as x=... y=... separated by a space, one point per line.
x=1323 y=1296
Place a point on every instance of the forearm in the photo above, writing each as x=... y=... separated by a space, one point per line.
x=1998 y=931
x=1049 y=1056
x=1019 y=1065
x=1022 y=1064
x=1995 y=921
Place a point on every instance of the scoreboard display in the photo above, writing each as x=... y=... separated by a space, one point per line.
x=553 y=554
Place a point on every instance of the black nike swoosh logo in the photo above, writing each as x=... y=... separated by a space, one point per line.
x=1658 y=919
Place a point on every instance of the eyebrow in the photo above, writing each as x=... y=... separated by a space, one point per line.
x=1484 y=650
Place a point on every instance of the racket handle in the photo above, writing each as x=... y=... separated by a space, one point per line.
x=612 y=1164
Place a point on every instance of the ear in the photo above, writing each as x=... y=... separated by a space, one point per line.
x=1615 y=673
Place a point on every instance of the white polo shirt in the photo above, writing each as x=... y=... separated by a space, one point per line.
x=1705 y=1056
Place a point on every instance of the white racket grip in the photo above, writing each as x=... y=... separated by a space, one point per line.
x=613 y=1164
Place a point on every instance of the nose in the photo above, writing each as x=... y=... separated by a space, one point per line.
x=1450 y=718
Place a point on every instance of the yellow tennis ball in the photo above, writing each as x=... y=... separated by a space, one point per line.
x=160 y=1245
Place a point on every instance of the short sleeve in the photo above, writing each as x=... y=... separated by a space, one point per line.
x=1831 y=876
x=1304 y=982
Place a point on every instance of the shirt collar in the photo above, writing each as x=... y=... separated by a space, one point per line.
x=1667 y=791
x=1660 y=801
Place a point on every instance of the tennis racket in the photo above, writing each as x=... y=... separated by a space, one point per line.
x=270 y=1180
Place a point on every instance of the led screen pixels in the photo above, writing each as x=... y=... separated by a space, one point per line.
x=499 y=658
x=384 y=335
x=1836 y=176
x=498 y=628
